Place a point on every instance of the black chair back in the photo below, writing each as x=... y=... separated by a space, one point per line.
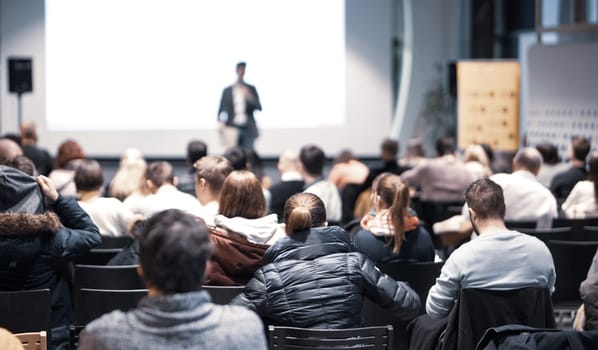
x=521 y=225
x=572 y=259
x=550 y=234
x=114 y=242
x=222 y=295
x=97 y=256
x=96 y=302
x=26 y=311
x=374 y=338
x=74 y=336
x=107 y=277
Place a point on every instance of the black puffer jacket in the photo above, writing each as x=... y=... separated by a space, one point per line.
x=313 y=279
x=35 y=247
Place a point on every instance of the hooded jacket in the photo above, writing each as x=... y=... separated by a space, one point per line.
x=36 y=247
x=314 y=279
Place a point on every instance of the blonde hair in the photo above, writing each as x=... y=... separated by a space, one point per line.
x=130 y=176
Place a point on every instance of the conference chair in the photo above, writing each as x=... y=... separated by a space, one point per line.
x=222 y=295
x=374 y=338
x=107 y=277
x=114 y=242
x=93 y=303
x=96 y=256
x=74 y=332
x=550 y=234
x=26 y=311
x=33 y=340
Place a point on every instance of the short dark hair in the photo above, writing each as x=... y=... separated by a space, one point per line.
x=196 y=150
x=173 y=250
x=485 y=197
x=549 y=152
x=312 y=158
x=445 y=145
x=581 y=147
x=21 y=163
x=237 y=156
x=159 y=173
x=241 y=65
x=89 y=175
x=390 y=147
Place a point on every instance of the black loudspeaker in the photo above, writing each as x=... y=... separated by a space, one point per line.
x=19 y=75
x=451 y=79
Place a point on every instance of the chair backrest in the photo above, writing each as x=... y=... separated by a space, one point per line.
x=97 y=256
x=74 y=336
x=26 y=310
x=107 y=277
x=521 y=225
x=477 y=310
x=550 y=234
x=222 y=295
x=114 y=242
x=420 y=276
x=33 y=340
x=433 y=212
x=93 y=303
x=572 y=259
x=309 y=339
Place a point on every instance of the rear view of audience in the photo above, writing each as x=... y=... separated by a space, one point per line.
x=563 y=182
x=39 y=156
x=582 y=202
x=477 y=162
x=313 y=279
x=196 y=150
x=177 y=313
x=129 y=180
x=551 y=163
x=242 y=231
x=347 y=170
x=37 y=246
x=210 y=173
x=111 y=216
x=291 y=182
x=393 y=233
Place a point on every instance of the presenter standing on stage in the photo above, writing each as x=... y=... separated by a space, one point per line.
x=237 y=104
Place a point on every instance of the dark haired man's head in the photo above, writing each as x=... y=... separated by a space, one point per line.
x=445 y=145
x=89 y=176
x=529 y=159
x=549 y=152
x=196 y=150
x=159 y=174
x=237 y=157
x=240 y=69
x=389 y=149
x=312 y=160
x=580 y=147
x=21 y=163
x=485 y=198
x=173 y=250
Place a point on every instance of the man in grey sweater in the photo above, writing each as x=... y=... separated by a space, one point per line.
x=177 y=313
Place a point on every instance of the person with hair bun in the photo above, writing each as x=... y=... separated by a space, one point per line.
x=312 y=278
x=393 y=233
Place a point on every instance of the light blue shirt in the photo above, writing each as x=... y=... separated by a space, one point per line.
x=499 y=260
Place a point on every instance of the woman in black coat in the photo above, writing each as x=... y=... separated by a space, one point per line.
x=313 y=279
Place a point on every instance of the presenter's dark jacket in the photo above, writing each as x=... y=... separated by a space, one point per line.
x=314 y=279
x=227 y=105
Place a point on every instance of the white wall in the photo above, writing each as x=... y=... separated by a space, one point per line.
x=369 y=102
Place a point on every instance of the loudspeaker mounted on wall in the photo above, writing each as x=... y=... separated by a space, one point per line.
x=20 y=75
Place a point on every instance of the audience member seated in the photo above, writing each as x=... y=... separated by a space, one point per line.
x=389 y=150
x=551 y=163
x=211 y=171
x=582 y=202
x=347 y=170
x=196 y=150
x=68 y=157
x=111 y=216
x=160 y=180
x=177 y=313
x=394 y=233
x=588 y=291
x=39 y=156
x=36 y=246
x=313 y=279
x=237 y=157
x=312 y=169
x=477 y=162
x=443 y=179
x=9 y=149
x=291 y=182
x=129 y=180
x=563 y=182
x=22 y=163
x=241 y=233
x=499 y=259
x=415 y=154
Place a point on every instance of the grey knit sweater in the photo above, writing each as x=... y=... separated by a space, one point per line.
x=178 y=321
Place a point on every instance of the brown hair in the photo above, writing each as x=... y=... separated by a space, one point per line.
x=67 y=151
x=89 y=175
x=214 y=170
x=486 y=198
x=159 y=173
x=581 y=147
x=593 y=173
x=21 y=163
x=393 y=192
x=242 y=196
x=302 y=211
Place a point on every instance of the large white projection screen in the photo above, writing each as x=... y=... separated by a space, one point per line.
x=149 y=74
